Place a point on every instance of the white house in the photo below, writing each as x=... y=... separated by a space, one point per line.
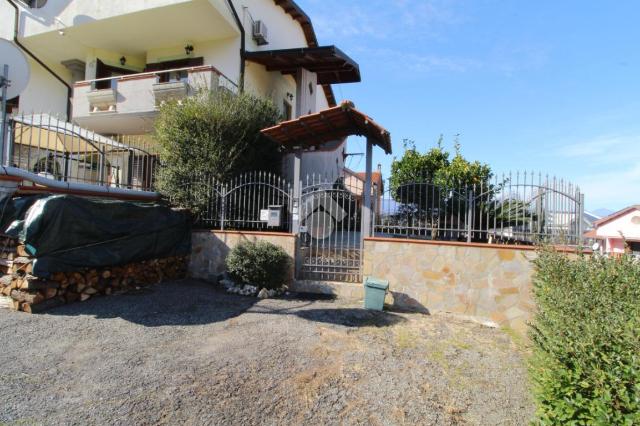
x=618 y=233
x=106 y=65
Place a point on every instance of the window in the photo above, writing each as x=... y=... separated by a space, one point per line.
x=108 y=71
x=36 y=4
x=13 y=105
x=166 y=77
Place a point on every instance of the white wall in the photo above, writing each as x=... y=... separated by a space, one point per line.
x=223 y=54
x=284 y=31
x=7 y=17
x=44 y=94
x=627 y=225
x=77 y=12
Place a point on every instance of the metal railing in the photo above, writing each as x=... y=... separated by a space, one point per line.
x=60 y=151
x=163 y=76
x=516 y=208
x=240 y=202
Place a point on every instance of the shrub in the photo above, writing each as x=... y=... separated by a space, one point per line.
x=212 y=134
x=262 y=264
x=586 y=336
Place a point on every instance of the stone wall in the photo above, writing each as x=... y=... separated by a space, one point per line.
x=210 y=249
x=487 y=282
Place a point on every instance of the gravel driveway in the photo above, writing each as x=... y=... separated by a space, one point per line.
x=185 y=353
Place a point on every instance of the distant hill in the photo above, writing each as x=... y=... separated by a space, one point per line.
x=602 y=212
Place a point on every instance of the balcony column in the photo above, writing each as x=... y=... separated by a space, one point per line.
x=306 y=82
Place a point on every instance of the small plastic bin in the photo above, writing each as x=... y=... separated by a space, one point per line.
x=374 y=293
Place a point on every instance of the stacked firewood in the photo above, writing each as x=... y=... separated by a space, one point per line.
x=20 y=290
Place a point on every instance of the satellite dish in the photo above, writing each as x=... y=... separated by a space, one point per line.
x=19 y=72
x=595 y=246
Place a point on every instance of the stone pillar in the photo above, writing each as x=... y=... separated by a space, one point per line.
x=77 y=68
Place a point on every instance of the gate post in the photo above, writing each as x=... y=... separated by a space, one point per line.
x=366 y=204
x=580 y=218
x=223 y=205
x=296 y=200
x=469 y=215
x=297 y=192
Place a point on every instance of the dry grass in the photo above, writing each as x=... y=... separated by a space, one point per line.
x=309 y=383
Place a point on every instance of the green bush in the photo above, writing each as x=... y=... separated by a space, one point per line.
x=212 y=134
x=585 y=365
x=261 y=264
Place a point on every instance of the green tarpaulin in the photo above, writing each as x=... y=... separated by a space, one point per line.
x=67 y=233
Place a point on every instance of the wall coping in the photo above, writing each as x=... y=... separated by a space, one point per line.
x=562 y=249
x=263 y=233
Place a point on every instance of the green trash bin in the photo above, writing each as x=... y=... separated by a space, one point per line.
x=374 y=292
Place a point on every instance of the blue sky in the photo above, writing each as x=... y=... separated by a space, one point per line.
x=551 y=86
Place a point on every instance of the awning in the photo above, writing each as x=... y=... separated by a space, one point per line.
x=45 y=132
x=328 y=62
x=326 y=126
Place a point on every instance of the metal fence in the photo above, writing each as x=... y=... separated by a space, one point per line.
x=62 y=151
x=240 y=202
x=515 y=208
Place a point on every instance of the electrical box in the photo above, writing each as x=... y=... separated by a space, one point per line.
x=274 y=218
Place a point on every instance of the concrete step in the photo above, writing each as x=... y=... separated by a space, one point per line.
x=345 y=291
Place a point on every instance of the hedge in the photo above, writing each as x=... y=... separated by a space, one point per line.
x=585 y=365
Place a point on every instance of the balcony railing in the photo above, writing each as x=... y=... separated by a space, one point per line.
x=144 y=92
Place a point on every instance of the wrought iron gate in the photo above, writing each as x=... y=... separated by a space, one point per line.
x=330 y=238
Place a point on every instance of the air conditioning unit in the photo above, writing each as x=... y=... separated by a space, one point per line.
x=260 y=33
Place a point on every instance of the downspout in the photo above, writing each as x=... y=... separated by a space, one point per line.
x=42 y=64
x=242 y=44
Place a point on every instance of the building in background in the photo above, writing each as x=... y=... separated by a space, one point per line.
x=618 y=233
x=354 y=182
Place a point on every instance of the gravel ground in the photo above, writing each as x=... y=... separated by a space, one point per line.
x=185 y=353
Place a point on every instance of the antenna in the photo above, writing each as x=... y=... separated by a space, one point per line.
x=14 y=77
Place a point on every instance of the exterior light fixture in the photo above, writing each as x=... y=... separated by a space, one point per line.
x=123 y=61
x=188 y=49
x=290 y=96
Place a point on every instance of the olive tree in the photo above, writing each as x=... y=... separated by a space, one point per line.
x=212 y=135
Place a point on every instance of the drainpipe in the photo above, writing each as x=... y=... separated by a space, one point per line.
x=242 y=44
x=35 y=58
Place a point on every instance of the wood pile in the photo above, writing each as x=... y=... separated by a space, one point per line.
x=19 y=290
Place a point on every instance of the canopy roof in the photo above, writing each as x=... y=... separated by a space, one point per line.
x=45 y=132
x=328 y=62
x=326 y=126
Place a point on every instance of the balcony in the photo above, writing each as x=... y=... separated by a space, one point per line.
x=128 y=104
